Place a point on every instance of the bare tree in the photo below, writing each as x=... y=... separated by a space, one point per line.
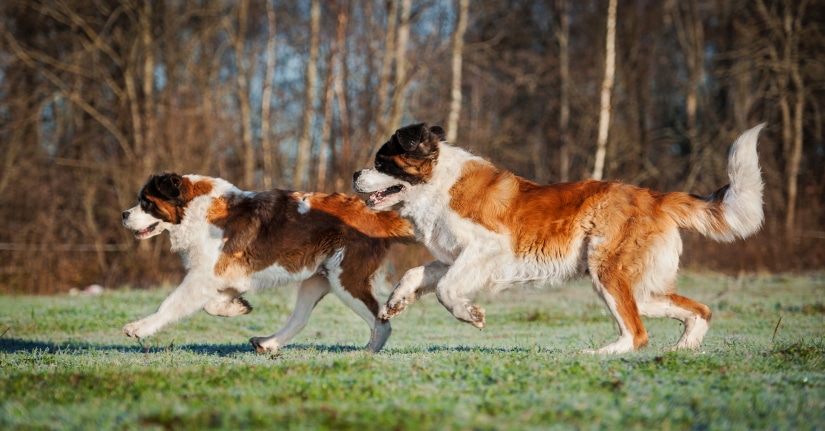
x=690 y=34
x=347 y=156
x=267 y=99
x=305 y=142
x=401 y=83
x=784 y=62
x=563 y=36
x=238 y=39
x=607 y=89
x=458 y=47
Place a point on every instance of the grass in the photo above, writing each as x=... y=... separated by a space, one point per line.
x=65 y=365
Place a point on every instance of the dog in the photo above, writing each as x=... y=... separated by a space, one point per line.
x=234 y=241
x=489 y=229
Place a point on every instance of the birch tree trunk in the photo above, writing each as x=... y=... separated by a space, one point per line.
x=458 y=47
x=346 y=155
x=607 y=88
x=266 y=98
x=305 y=144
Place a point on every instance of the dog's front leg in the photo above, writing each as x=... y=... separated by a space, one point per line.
x=468 y=275
x=416 y=282
x=190 y=296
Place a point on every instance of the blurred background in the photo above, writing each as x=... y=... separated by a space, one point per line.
x=95 y=95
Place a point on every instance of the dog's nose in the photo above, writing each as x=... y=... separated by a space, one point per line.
x=355 y=175
x=125 y=215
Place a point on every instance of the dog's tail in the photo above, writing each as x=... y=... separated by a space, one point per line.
x=733 y=211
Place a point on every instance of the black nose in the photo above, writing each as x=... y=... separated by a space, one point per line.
x=125 y=215
x=355 y=175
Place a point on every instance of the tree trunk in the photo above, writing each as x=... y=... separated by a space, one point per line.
x=243 y=98
x=458 y=47
x=346 y=155
x=305 y=144
x=607 y=88
x=397 y=106
x=149 y=112
x=266 y=98
x=563 y=35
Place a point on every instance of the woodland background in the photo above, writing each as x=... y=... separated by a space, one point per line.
x=95 y=95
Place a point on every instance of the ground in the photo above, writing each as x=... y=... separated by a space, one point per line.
x=65 y=364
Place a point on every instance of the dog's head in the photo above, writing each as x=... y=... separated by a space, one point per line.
x=406 y=160
x=161 y=204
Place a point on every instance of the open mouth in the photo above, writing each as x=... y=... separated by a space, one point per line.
x=380 y=197
x=145 y=232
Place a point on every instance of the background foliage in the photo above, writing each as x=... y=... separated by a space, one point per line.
x=95 y=95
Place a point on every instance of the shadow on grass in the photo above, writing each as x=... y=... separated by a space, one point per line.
x=18 y=346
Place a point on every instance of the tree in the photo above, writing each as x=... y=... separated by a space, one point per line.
x=607 y=89
x=266 y=98
x=299 y=178
x=455 y=89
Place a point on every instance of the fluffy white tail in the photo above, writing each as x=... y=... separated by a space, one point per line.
x=733 y=211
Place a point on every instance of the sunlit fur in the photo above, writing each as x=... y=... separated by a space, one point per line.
x=233 y=241
x=490 y=229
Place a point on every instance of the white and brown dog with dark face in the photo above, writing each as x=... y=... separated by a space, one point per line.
x=234 y=241
x=490 y=229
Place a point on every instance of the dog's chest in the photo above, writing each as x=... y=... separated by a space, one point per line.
x=445 y=233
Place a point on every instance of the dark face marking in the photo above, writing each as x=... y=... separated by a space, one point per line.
x=165 y=197
x=410 y=153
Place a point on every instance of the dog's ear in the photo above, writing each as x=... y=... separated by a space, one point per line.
x=439 y=132
x=410 y=136
x=169 y=185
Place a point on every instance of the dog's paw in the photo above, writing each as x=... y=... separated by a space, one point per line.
x=137 y=330
x=264 y=344
x=477 y=316
x=389 y=311
x=236 y=307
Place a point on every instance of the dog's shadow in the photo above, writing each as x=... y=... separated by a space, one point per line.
x=22 y=346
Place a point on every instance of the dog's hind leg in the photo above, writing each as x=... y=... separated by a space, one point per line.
x=230 y=304
x=311 y=291
x=617 y=294
x=694 y=315
x=416 y=282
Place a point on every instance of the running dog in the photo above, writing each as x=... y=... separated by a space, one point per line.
x=490 y=229
x=233 y=241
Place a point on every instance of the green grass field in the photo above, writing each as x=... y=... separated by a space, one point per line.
x=65 y=365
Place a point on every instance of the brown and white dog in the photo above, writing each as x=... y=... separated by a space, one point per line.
x=233 y=241
x=490 y=229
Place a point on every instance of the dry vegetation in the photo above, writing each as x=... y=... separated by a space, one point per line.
x=96 y=94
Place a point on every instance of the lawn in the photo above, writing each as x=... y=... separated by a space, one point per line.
x=65 y=365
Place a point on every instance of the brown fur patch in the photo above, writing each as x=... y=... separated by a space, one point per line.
x=268 y=229
x=190 y=190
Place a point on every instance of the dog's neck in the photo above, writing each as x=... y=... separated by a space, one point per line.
x=196 y=240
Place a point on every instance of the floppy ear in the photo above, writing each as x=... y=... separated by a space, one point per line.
x=169 y=185
x=438 y=131
x=410 y=136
